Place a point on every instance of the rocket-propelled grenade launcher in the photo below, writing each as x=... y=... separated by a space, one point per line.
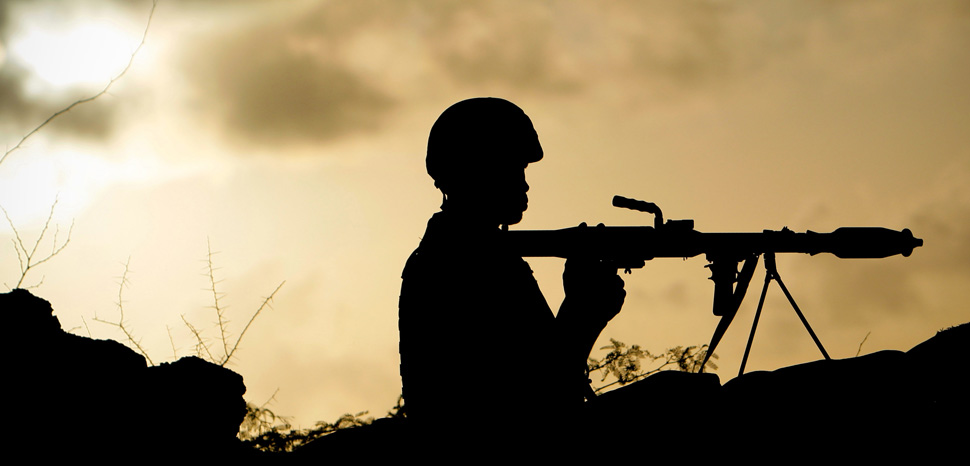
x=630 y=247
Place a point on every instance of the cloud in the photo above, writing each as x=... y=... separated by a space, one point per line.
x=321 y=72
x=22 y=112
x=296 y=72
x=273 y=97
x=340 y=68
x=503 y=44
x=796 y=47
x=27 y=99
x=282 y=81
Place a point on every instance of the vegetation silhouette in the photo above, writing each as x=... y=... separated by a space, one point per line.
x=266 y=431
x=202 y=346
x=27 y=257
x=626 y=364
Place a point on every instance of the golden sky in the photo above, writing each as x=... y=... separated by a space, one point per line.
x=291 y=136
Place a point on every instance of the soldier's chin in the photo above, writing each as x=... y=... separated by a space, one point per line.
x=512 y=218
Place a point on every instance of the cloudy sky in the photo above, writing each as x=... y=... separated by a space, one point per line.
x=290 y=136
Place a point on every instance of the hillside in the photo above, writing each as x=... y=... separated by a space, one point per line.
x=69 y=395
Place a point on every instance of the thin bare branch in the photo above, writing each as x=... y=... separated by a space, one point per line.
x=43 y=231
x=198 y=337
x=220 y=317
x=86 y=327
x=103 y=91
x=266 y=303
x=17 y=242
x=121 y=315
x=26 y=258
x=271 y=399
x=55 y=250
x=175 y=354
x=859 y=351
x=35 y=285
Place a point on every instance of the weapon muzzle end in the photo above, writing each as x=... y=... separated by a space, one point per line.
x=870 y=242
x=913 y=242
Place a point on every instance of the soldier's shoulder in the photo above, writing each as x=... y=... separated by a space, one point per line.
x=426 y=261
x=415 y=261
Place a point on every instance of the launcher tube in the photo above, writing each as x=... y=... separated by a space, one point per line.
x=629 y=247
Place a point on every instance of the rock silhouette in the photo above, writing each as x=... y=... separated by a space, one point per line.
x=74 y=397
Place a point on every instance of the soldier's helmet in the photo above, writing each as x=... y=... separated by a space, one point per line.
x=474 y=135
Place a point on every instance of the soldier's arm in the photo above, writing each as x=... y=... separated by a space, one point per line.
x=594 y=295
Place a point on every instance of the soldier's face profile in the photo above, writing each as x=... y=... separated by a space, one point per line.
x=504 y=178
x=509 y=196
x=496 y=192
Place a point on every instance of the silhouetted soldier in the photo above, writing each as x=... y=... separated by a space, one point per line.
x=483 y=359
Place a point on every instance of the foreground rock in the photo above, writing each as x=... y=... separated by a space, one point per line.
x=890 y=405
x=70 y=396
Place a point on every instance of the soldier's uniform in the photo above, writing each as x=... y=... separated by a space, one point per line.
x=478 y=350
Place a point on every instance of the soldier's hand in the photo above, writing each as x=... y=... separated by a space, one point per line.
x=595 y=286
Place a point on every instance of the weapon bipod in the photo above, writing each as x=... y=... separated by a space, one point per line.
x=771 y=273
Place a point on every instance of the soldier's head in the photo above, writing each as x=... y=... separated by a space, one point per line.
x=477 y=153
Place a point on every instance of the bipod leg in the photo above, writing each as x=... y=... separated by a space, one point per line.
x=794 y=306
x=757 y=314
x=722 y=326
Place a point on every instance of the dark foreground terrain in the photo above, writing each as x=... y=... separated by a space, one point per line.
x=68 y=396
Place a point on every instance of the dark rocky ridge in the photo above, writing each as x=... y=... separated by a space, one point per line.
x=71 y=396
x=889 y=405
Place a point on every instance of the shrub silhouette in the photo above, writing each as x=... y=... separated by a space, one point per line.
x=626 y=365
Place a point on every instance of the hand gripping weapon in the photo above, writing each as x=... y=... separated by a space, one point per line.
x=631 y=247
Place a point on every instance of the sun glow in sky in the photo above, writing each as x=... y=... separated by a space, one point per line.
x=291 y=136
x=82 y=54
